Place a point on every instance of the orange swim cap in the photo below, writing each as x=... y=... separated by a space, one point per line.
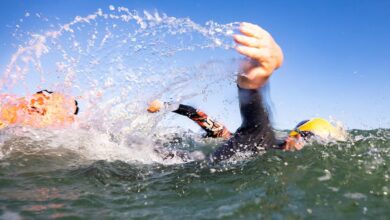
x=11 y=107
x=43 y=109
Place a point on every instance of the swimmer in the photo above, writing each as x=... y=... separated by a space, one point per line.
x=263 y=57
x=42 y=109
x=297 y=138
x=255 y=135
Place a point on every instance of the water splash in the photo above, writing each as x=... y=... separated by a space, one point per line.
x=116 y=60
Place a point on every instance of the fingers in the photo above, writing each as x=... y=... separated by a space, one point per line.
x=258 y=45
x=153 y=109
x=251 y=52
x=246 y=41
x=252 y=30
x=253 y=37
x=250 y=25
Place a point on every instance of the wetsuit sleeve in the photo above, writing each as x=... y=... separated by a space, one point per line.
x=255 y=133
x=212 y=127
x=186 y=110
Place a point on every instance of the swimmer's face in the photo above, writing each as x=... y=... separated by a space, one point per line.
x=37 y=104
x=293 y=143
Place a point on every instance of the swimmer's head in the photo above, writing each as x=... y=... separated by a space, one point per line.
x=316 y=127
x=50 y=109
x=42 y=109
x=44 y=102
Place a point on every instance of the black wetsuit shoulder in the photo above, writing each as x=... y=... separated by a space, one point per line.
x=255 y=133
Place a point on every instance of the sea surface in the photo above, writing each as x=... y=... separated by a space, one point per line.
x=344 y=180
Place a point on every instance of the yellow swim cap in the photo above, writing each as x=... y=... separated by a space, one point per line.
x=318 y=127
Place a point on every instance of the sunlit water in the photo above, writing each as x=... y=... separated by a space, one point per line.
x=105 y=166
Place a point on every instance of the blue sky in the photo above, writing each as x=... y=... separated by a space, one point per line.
x=336 y=51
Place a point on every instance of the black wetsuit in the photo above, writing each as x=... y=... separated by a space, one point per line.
x=254 y=134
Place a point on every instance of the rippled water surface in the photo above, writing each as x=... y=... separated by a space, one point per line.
x=340 y=180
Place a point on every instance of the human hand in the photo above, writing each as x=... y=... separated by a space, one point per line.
x=155 y=106
x=264 y=53
x=294 y=143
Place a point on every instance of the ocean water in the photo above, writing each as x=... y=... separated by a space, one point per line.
x=105 y=166
x=346 y=180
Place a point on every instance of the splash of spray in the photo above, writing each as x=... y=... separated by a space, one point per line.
x=115 y=61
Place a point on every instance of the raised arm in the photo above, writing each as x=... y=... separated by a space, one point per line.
x=263 y=57
x=255 y=133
